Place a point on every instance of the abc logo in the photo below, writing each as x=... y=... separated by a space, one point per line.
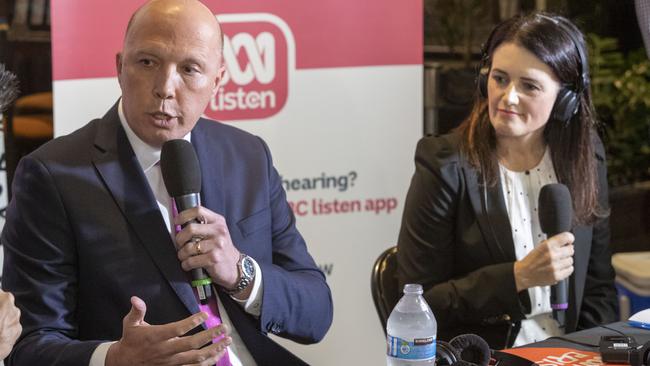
x=259 y=55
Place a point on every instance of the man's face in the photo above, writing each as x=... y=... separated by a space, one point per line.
x=168 y=71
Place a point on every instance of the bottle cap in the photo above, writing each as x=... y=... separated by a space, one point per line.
x=413 y=288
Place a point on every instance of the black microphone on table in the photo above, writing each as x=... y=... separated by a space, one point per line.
x=556 y=216
x=182 y=176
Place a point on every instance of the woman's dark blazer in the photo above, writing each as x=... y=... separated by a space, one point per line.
x=456 y=241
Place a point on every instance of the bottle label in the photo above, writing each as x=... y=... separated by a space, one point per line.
x=418 y=349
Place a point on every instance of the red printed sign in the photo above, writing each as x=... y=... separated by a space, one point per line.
x=557 y=356
x=265 y=42
x=259 y=55
x=86 y=34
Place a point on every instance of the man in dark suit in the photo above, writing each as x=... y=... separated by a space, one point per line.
x=90 y=250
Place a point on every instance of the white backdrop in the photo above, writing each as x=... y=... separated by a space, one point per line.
x=335 y=88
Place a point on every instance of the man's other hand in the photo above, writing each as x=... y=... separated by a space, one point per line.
x=167 y=344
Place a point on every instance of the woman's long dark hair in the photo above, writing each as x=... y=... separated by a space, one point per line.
x=571 y=144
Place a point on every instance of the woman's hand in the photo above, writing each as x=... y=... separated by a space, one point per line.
x=550 y=262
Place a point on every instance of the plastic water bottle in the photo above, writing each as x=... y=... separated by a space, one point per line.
x=411 y=330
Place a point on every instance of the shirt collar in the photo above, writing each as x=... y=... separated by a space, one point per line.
x=146 y=154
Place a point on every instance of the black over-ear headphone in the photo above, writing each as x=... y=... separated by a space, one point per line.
x=567 y=102
x=463 y=350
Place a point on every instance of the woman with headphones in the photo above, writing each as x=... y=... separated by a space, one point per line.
x=470 y=232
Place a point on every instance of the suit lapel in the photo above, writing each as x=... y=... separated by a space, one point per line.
x=210 y=161
x=490 y=210
x=120 y=171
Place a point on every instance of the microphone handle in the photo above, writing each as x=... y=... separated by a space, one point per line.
x=200 y=280
x=559 y=301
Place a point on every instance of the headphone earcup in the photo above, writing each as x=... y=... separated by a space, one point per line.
x=446 y=354
x=472 y=349
x=566 y=105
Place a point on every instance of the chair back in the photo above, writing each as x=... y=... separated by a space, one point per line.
x=384 y=285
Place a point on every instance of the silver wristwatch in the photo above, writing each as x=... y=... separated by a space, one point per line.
x=246 y=269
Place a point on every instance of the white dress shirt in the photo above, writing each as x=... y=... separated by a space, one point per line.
x=148 y=157
x=521 y=193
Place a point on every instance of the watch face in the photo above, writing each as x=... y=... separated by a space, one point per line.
x=248 y=267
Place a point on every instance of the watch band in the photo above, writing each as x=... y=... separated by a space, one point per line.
x=245 y=280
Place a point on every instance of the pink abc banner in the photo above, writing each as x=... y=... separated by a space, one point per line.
x=265 y=43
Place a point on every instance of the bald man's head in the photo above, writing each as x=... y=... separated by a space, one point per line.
x=167 y=7
x=169 y=69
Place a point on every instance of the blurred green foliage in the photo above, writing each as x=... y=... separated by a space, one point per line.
x=621 y=95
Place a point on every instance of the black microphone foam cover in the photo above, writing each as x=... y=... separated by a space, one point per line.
x=555 y=209
x=180 y=168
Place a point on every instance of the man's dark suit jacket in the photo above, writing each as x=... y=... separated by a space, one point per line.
x=84 y=233
x=457 y=242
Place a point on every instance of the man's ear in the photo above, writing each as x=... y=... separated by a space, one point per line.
x=218 y=79
x=118 y=65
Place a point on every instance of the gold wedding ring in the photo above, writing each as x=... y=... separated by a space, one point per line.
x=197 y=246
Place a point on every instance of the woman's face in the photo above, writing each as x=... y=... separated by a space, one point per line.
x=521 y=92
